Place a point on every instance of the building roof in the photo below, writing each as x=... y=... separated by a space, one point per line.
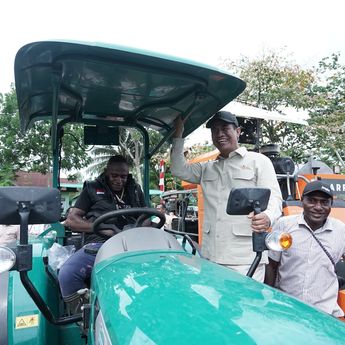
x=24 y=178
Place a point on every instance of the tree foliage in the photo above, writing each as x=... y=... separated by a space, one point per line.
x=7 y=175
x=328 y=111
x=275 y=82
x=131 y=146
x=31 y=151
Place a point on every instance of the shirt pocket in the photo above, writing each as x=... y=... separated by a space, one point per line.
x=210 y=175
x=244 y=231
x=241 y=226
x=244 y=178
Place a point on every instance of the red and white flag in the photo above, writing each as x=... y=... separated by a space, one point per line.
x=161 y=175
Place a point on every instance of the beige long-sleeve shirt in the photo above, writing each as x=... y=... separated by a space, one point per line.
x=227 y=239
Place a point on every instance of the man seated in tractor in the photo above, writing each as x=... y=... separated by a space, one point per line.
x=114 y=189
x=227 y=240
x=307 y=269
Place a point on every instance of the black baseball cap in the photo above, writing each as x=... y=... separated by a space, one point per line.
x=224 y=116
x=318 y=186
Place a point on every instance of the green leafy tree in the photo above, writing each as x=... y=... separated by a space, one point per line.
x=328 y=112
x=7 y=175
x=130 y=146
x=31 y=151
x=275 y=82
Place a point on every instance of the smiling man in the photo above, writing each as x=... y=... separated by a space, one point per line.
x=227 y=240
x=306 y=270
x=114 y=189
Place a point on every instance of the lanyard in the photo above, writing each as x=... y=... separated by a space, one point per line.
x=322 y=247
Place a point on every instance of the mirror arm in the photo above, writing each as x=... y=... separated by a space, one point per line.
x=24 y=212
x=42 y=305
x=255 y=263
x=24 y=264
x=256 y=207
x=259 y=244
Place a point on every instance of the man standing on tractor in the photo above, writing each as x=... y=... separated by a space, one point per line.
x=114 y=189
x=227 y=240
x=307 y=269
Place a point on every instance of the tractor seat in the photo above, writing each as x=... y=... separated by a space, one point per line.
x=138 y=239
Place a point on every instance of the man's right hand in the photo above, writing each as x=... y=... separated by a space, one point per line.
x=76 y=221
x=179 y=127
x=260 y=222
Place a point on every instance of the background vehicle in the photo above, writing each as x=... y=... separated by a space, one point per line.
x=182 y=203
x=146 y=288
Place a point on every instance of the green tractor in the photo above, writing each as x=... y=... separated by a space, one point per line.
x=148 y=286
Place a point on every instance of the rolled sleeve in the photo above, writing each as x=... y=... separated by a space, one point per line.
x=179 y=167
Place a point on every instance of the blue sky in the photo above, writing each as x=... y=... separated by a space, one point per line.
x=204 y=31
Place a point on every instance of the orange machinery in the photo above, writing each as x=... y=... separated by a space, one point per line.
x=337 y=183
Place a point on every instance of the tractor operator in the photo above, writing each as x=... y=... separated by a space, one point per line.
x=227 y=240
x=114 y=189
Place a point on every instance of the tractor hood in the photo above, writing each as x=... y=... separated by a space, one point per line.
x=122 y=86
x=174 y=298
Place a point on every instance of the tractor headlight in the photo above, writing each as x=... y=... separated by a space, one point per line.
x=7 y=258
x=278 y=241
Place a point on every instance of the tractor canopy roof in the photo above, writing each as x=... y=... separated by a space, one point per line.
x=115 y=85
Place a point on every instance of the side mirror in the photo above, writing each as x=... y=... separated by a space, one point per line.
x=42 y=204
x=242 y=201
x=28 y=205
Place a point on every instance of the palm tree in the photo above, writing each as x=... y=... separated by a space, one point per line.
x=132 y=148
x=101 y=154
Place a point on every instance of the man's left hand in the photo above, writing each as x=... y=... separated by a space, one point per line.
x=260 y=222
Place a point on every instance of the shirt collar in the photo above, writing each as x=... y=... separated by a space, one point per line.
x=326 y=226
x=242 y=151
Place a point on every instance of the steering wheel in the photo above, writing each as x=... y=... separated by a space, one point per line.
x=142 y=213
